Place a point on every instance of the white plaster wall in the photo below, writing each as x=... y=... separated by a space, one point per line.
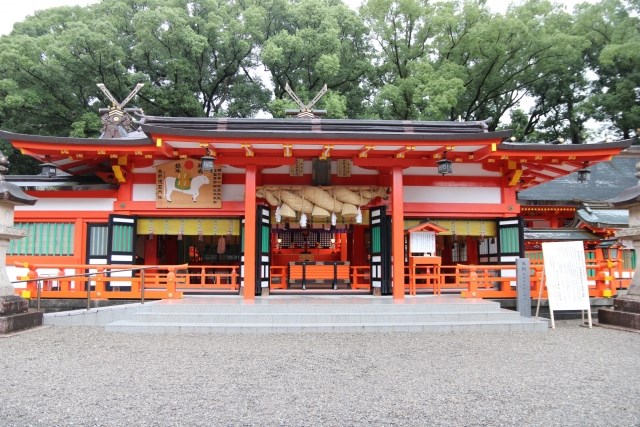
x=233 y=192
x=144 y=193
x=452 y=195
x=68 y=204
x=459 y=169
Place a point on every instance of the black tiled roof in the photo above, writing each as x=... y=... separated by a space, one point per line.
x=607 y=179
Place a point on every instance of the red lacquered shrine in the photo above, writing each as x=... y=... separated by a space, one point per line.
x=289 y=204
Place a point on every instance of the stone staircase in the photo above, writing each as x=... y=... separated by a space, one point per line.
x=336 y=313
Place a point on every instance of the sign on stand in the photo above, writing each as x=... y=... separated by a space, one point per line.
x=565 y=275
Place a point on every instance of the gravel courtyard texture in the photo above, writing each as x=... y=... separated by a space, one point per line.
x=571 y=376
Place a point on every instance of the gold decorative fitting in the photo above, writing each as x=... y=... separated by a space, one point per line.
x=248 y=150
x=401 y=154
x=366 y=150
x=326 y=153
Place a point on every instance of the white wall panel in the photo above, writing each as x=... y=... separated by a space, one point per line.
x=452 y=195
x=233 y=192
x=68 y=204
x=144 y=192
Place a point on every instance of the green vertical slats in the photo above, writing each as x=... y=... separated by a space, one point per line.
x=122 y=238
x=509 y=242
x=629 y=259
x=265 y=239
x=243 y=237
x=44 y=239
x=375 y=240
x=52 y=232
x=591 y=272
x=70 y=233
x=38 y=243
x=115 y=231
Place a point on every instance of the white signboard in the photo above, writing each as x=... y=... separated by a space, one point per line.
x=565 y=272
x=423 y=242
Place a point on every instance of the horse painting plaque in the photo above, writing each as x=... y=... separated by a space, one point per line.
x=182 y=184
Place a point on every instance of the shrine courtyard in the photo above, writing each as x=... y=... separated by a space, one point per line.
x=571 y=376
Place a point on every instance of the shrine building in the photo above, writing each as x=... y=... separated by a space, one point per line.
x=297 y=204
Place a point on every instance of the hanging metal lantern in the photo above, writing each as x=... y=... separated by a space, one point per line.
x=444 y=166
x=208 y=161
x=48 y=169
x=584 y=174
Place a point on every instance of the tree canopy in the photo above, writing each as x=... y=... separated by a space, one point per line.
x=537 y=68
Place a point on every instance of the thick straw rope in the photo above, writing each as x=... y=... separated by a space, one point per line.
x=319 y=202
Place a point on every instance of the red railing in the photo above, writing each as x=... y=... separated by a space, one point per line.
x=96 y=282
x=171 y=281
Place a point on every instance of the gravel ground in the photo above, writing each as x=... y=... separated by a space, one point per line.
x=572 y=376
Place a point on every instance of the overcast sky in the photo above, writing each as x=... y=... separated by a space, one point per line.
x=16 y=10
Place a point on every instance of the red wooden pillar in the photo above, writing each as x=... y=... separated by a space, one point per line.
x=250 y=207
x=397 y=233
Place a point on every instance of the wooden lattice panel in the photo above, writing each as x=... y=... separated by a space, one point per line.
x=344 y=168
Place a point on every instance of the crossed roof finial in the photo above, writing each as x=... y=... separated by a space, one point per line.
x=306 y=111
x=116 y=120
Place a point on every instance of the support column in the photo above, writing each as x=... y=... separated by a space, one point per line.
x=397 y=233
x=250 y=207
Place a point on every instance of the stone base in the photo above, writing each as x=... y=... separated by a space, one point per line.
x=20 y=321
x=625 y=313
x=13 y=304
x=377 y=292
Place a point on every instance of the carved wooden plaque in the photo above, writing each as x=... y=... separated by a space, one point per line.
x=182 y=184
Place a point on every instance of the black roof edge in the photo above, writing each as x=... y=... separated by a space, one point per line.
x=10 y=136
x=285 y=133
x=528 y=146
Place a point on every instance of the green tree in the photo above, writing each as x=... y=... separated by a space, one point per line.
x=196 y=56
x=311 y=43
x=401 y=31
x=50 y=65
x=613 y=29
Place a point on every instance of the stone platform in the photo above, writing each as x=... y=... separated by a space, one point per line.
x=16 y=316
x=20 y=321
x=625 y=313
x=318 y=314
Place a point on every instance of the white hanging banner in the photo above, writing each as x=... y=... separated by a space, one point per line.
x=565 y=273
